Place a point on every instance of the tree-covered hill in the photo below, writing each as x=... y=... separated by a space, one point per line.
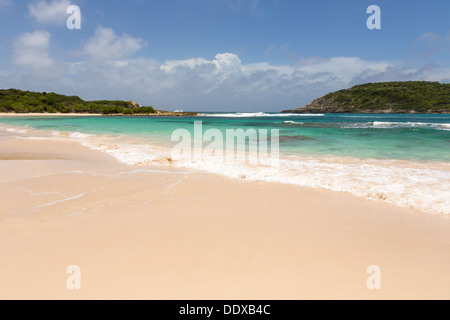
x=386 y=97
x=13 y=100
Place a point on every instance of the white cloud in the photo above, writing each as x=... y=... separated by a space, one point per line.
x=106 y=45
x=429 y=37
x=32 y=50
x=345 y=68
x=50 y=13
x=431 y=43
x=222 y=83
x=5 y=5
x=429 y=72
x=269 y=49
x=251 y=6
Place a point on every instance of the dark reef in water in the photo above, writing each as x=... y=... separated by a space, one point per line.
x=295 y=138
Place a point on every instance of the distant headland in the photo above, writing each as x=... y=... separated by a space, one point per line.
x=384 y=97
x=25 y=102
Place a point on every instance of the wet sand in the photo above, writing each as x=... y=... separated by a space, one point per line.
x=166 y=233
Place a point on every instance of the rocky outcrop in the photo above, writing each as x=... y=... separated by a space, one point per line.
x=175 y=114
x=385 y=97
x=322 y=105
x=134 y=104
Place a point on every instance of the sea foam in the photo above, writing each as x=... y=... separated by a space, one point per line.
x=421 y=186
x=257 y=115
x=442 y=126
x=293 y=122
x=15 y=130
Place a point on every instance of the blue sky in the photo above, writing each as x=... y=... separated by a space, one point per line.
x=219 y=55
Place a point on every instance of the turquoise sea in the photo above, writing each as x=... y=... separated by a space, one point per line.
x=401 y=159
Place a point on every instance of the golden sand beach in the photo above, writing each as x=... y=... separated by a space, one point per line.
x=166 y=233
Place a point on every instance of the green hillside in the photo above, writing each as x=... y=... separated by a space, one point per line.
x=18 y=101
x=387 y=97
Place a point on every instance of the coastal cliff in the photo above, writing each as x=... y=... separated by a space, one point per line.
x=386 y=97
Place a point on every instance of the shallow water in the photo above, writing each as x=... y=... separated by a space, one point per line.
x=401 y=159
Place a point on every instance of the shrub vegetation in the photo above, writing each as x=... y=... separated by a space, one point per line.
x=13 y=100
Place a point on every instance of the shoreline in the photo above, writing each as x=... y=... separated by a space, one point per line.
x=380 y=112
x=159 y=114
x=6 y=115
x=167 y=233
x=316 y=172
x=182 y=114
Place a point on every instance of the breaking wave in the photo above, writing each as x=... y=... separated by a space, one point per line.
x=257 y=114
x=416 y=185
